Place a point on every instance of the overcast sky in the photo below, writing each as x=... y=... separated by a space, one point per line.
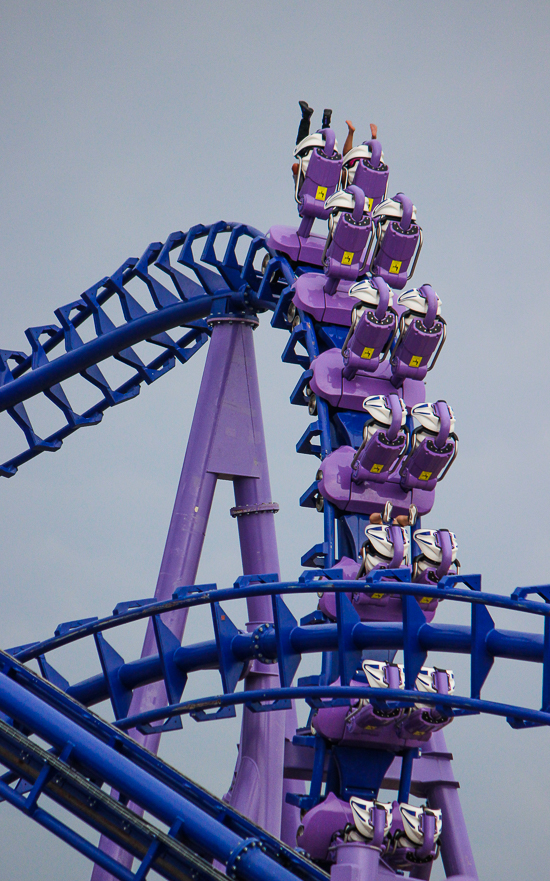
x=125 y=121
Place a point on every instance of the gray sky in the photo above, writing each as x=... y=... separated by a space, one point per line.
x=124 y=121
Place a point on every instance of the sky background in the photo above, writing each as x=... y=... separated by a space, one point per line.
x=125 y=121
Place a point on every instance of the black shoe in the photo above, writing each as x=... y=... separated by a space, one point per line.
x=327 y=116
x=307 y=111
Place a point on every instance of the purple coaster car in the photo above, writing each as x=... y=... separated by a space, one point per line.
x=310 y=296
x=298 y=248
x=328 y=382
x=344 y=258
x=361 y=832
x=397 y=728
x=372 y=605
x=337 y=487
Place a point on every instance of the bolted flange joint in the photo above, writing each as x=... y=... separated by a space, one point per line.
x=238 y=853
x=256 y=643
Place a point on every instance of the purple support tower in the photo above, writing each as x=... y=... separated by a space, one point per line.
x=226 y=442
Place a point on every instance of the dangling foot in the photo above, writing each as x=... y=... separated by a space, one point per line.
x=373 y=130
x=327 y=116
x=307 y=111
x=349 y=138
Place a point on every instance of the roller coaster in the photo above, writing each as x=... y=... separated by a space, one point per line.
x=365 y=790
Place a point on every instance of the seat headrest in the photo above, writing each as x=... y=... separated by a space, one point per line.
x=392 y=208
x=362 y=151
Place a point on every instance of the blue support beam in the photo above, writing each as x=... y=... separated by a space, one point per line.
x=414 y=653
x=287 y=658
x=349 y=654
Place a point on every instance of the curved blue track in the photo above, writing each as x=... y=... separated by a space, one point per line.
x=197 y=286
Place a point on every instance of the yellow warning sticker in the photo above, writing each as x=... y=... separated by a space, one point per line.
x=321 y=194
x=425 y=475
x=376 y=469
x=377 y=596
x=396 y=266
x=347 y=258
x=426 y=599
x=367 y=353
x=369 y=204
x=415 y=361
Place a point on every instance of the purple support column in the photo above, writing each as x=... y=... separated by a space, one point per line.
x=257 y=788
x=219 y=445
x=226 y=440
x=456 y=851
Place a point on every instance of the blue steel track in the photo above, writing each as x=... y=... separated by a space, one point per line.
x=285 y=641
x=222 y=284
